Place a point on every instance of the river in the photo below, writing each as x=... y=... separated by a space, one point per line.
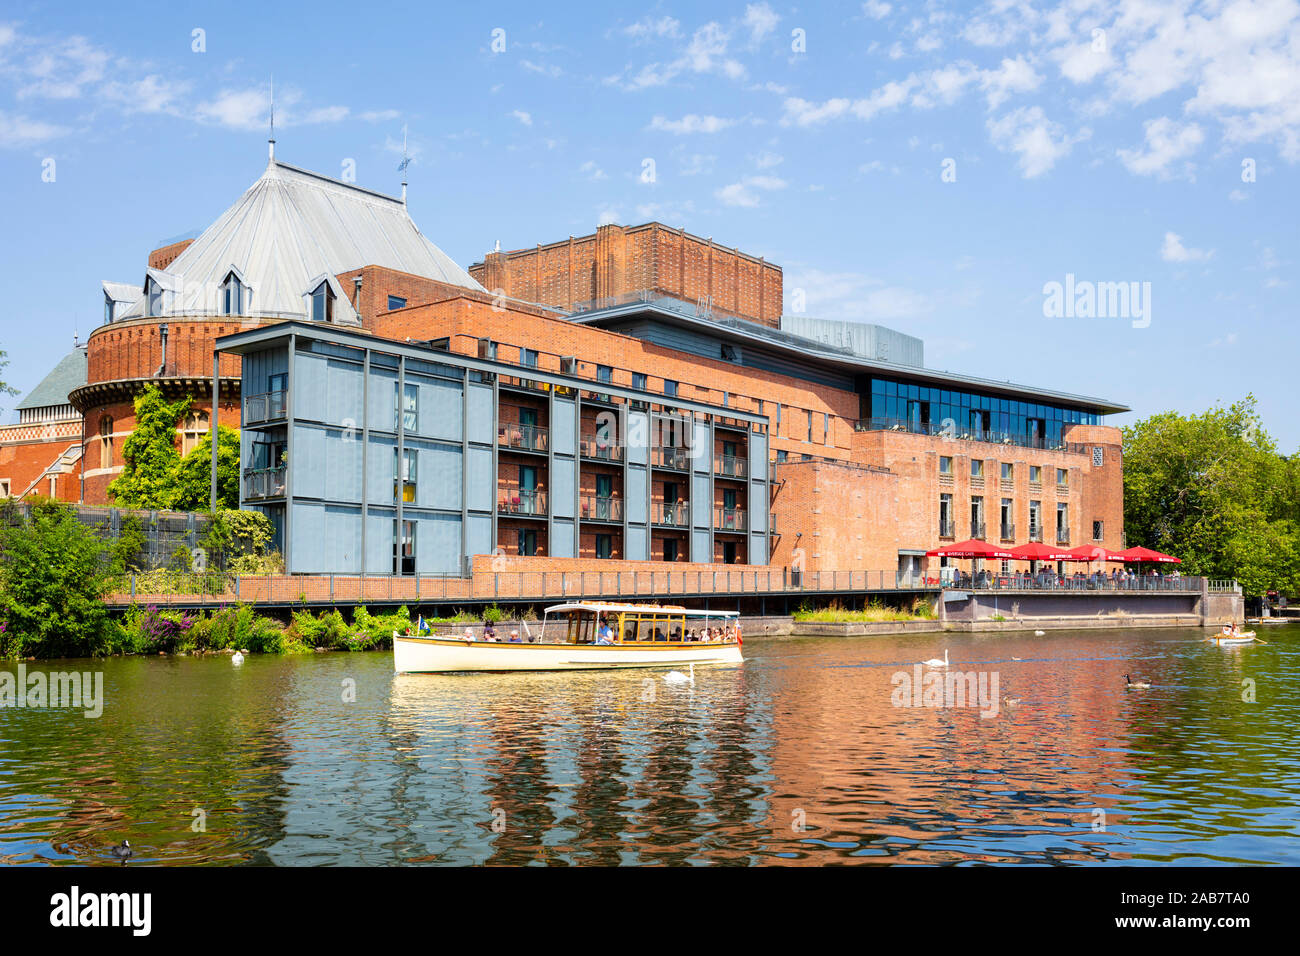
x=799 y=756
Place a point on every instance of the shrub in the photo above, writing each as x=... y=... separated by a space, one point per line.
x=150 y=630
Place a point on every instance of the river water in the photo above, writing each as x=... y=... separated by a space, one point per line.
x=799 y=756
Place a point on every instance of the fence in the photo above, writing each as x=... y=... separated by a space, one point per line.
x=165 y=532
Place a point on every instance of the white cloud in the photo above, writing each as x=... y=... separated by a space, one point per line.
x=1173 y=250
x=18 y=131
x=767 y=160
x=876 y=9
x=697 y=164
x=855 y=296
x=1039 y=142
x=542 y=68
x=760 y=19
x=150 y=94
x=691 y=123
x=663 y=27
x=237 y=109
x=523 y=117
x=706 y=53
x=1164 y=142
x=743 y=193
x=1012 y=76
x=592 y=171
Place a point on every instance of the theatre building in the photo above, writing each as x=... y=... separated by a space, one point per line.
x=637 y=394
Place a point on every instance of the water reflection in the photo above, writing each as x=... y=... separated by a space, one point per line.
x=796 y=757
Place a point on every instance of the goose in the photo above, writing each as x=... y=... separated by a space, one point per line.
x=677 y=677
x=237 y=659
x=122 y=852
x=1039 y=633
x=935 y=662
x=1138 y=685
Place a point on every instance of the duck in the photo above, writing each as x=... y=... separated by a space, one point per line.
x=238 y=658
x=1137 y=685
x=935 y=662
x=677 y=677
x=1012 y=701
x=122 y=852
x=1039 y=633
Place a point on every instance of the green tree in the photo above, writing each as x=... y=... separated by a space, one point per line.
x=151 y=462
x=53 y=577
x=194 y=473
x=5 y=388
x=1212 y=490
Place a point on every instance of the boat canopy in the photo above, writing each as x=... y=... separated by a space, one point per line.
x=599 y=607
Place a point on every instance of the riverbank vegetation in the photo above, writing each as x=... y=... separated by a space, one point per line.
x=874 y=612
x=1213 y=490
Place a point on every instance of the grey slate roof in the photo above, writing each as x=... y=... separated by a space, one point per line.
x=53 y=389
x=291 y=228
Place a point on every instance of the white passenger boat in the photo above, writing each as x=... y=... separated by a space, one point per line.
x=1234 y=637
x=585 y=635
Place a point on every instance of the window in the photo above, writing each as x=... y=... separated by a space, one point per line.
x=1036 y=474
x=1008 y=471
x=670 y=388
x=410 y=407
x=409 y=460
x=193 y=429
x=528 y=357
x=826 y=428
x=781 y=455
x=106 y=442
x=404 y=548
x=527 y=543
x=945 y=464
x=1098 y=529
x=153 y=297
x=232 y=296
x=604 y=374
x=1035 y=521
x=108 y=308
x=1062 y=476
x=945 y=516
x=670 y=549
x=977 y=468
x=322 y=303
x=638 y=380
x=810 y=426
x=396 y=302
x=604 y=545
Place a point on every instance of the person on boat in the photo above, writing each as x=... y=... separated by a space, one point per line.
x=469 y=634
x=514 y=637
x=604 y=634
x=489 y=632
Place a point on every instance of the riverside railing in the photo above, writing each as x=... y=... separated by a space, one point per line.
x=1051 y=581
x=214 y=590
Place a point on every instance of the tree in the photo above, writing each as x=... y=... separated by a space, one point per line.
x=53 y=577
x=1212 y=490
x=5 y=388
x=194 y=473
x=151 y=462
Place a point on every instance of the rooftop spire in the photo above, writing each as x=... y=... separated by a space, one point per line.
x=271 y=140
x=406 y=161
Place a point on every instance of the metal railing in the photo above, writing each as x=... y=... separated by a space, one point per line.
x=1008 y=532
x=600 y=449
x=265 y=407
x=264 y=482
x=517 y=502
x=1062 y=535
x=729 y=519
x=671 y=514
x=597 y=508
x=731 y=466
x=968 y=434
x=213 y=589
x=977 y=530
x=1036 y=533
x=668 y=456
x=524 y=437
x=947 y=529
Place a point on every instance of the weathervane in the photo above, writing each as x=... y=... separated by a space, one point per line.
x=271 y=141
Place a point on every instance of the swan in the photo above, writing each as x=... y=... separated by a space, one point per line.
x=677 y=677
x=237 y=659
x=935 y=662
x=1139 y=685
x=1039 y=633
x=1017 y=658
x=122 y=852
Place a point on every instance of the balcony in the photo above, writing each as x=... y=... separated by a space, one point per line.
x=266 y=407
x=729 y=519
x=1062 y=535
x=731 y=466
x=523 y=503
x=517 y=437
x=600 y=448
x=671 y=514
x=597 y=508
x=1008 y=532
x=264 y=482
x=671 y=457
x=977 y=530
x=1035 y=533
x=947 y=528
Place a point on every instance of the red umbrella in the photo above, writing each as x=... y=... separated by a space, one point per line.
x=1034 y=551
x=1092 y=552
x=1134 y=555
x=974 y=548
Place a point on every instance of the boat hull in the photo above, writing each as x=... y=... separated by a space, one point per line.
x=434 y=655
x=1247 y=638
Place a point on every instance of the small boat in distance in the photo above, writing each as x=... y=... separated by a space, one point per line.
x=1232 y=635
x=585 y=635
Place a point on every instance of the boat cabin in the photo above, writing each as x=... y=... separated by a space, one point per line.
x=597 y=623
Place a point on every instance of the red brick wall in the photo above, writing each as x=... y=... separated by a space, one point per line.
x=133 y=349
x=164 y=256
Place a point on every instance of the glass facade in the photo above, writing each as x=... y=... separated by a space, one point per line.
x=970 y=415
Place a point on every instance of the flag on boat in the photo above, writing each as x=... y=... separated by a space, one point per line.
x=422 y=627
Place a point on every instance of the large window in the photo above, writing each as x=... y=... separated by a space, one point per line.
x=193 y=430
x=232 y=296
x=322 y=303
x=945 y=464
x=409 y=477
x=604 y=545
x=106 y=442
x=410 y=407
x=153 y=297
x=404 y=548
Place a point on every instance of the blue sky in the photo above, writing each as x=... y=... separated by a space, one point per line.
x=929 y=166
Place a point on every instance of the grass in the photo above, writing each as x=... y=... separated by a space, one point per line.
x=874 y=612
